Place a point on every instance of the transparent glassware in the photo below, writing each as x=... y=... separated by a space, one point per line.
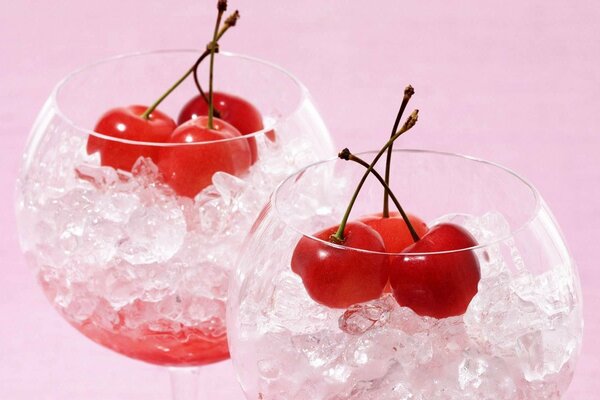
x=125 y=260
x=519 y=338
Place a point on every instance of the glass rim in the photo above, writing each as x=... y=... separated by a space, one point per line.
x=479 y=246
x=303 y=96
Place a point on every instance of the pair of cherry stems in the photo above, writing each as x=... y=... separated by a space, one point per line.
x=211 y=49
x=345 y=154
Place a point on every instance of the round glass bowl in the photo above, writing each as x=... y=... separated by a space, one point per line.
x=518 y=339
x=125 y=260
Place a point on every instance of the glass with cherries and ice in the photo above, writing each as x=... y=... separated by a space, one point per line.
x=132 y=221
x=460 y=287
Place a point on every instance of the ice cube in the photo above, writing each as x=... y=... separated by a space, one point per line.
x=205 y=279
x=159 y=280
x=105 y=316
x=213 y=219
x=201 y=309
x=230 y=187
x=489 y=227
x=99 y=242
x=99 y=177
x=530 y=351
x=319 y=349
x=283 y=307
x=116 y=206
x=118 y=284
x=269 y=368
x=145 y=171
x=470 y=372
x=359 y=318
x=153 y=234
x=82 y=308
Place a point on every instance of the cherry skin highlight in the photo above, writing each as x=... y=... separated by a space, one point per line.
x=336 y=276
x=393 y=230
x=232 y=109
x=188 y=168
x=437 y=285
x=127 y=123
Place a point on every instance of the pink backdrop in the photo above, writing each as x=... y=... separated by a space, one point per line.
x=515 y=82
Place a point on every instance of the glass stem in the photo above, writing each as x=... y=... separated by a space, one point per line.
x=184 y=383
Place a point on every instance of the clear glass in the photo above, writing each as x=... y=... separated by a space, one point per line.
x=124 y=260
x=519 y=338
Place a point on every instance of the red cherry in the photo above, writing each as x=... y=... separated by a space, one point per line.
x=189 y=168
x=394 y=231
x=437 y=285
x=336 y=276
x=127 y=123
x=233 y=109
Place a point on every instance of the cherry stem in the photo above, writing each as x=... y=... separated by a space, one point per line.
x=410 y=122
x=202 y=93
x=347 y=155
x=222 y=6
x=206 y=53
x=149 y=110
x=408 y=92
x=229 y=22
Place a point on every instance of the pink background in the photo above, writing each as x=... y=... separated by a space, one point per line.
x=515 y=82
